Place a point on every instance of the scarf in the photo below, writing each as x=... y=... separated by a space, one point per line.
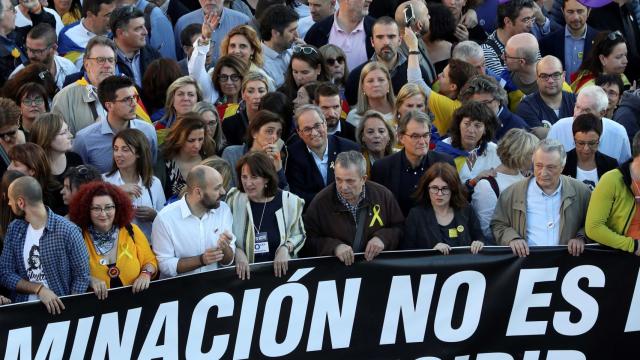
x=103 y=241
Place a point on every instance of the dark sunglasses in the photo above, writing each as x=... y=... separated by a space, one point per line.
x=10 y=133
x=332 y=62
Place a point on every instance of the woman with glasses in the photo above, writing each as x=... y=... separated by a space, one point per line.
x=375 y=92
x=443 y=218
x=470 y=142
x=376 y=137
x=52 y=134
x=132 y=171
x=608 y=55
x=213 y=125
x=10 y=133
x=266 y=217
x=32 y=99
x=515 y=150
x=306 y=66
x=182 y=94
x=119 y=253
x=585 y=162
x=254 y=87
x=227 y=80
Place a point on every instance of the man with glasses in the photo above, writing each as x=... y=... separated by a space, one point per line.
x=401 y=171
x=550 y=102
x=613 y=140
x=514 y=17
x=119 y=97
x=354 y=215
x=311 y=161
x=42 y=48
x=543 y=210
x=278 y=30
x=40 y=240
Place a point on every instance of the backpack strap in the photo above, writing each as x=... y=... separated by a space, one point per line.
x=494 y=184
x=130 y=231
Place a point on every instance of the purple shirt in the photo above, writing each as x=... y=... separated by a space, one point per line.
x=353 y=44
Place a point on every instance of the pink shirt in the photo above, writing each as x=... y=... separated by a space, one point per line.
x=353 y=44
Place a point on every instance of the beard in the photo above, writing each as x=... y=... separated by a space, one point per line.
x=209 y=203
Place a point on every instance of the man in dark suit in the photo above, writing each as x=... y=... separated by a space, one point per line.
x=573 y=42
x=328 y=100
x=311 y=161
x=402 y=171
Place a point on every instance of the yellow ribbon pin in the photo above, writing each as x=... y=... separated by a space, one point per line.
x=376 y=216
x=15 y=53
x=125 y=251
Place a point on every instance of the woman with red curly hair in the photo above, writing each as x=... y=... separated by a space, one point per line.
x=119 y=253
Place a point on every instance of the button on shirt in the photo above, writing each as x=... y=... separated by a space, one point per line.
x=275 y=63
x=321 y=164
x=543 y=215
x=573 y=51
x=177 y=233
x=353 y=44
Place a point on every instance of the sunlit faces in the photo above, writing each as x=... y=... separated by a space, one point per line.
x=447 y=88
x=240 y=46
x=135 y=34
x=13 y=202
x=320 y=9
x=550 y=77
x=19 y=166
x=335 y=67
x=613 y=94
x=523 y=23
x=547 y=167
x=455 y=6
x=97 y=72
x=211 y=122
x=359 y=7
x=471 y=132
x=385 y=40
x=303 y=73
x=62 y=141
x=415 y=102
x=288 y=36
x=616 y=62
x=124 y=155
x=302 y=98
x=211 y=6
x=184 y=98
x=39 y=51
x=586 y=144
x=62 y=6
x=8 y=22
x=439 y=192
x=193 y=143
x=331 y=109
x=253 y=93
x=268 y=134
x=477 y=63
x=66 y=191
x=123 y=107
x=575 y=15
x=312 y=129
x=349 y=182
x=253 y=185
x=103 y=211
x=375 y=135
x=101 y=19
x=214 y=190
x=230 y=81
x=585 y=105
x=415 y=139
x=375 y=84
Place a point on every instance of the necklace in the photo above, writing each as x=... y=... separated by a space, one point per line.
x=257 y=230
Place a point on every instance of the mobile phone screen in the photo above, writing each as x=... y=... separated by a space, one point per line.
x=408 y=15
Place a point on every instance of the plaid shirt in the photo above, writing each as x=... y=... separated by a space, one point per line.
x=63 y=255
x=352 y=209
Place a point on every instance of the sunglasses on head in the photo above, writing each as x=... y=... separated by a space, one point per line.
x=615 y=35
x=307 y=50
x=10 y=133
x=332 y=62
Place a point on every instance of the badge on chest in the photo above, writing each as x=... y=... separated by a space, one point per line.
x=261 y=245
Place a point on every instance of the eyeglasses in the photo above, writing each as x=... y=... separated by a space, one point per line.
x=506 y=57
x=38 y=52
x=615 y=35
x=97 y=210
x=443 y=190
x=309 y=130
x=101 y=60
x=487 y=101
x=331 y=62
x=590 y=144
x=529 y=19
x=233 y=78
x=416 y=137
x=9 y=134
x=129 y=99
x=31 y=102
x=555 y=76
x=307 y=50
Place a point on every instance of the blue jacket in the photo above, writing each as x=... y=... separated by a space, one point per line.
x=63 y=255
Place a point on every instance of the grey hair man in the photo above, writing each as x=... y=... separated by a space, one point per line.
x=614 y=141
x=546 y=209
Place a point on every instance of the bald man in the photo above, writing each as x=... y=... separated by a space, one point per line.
x=193 y=234
x=550 y=102
x=41 y=240
x=420 y=26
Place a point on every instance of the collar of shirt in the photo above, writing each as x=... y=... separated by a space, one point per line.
x=135 y=57
x=185 y=211
x=567 y=33
x=399 y=61
x=85 y=30
x=405 y=164
x=337 y=129
x=539 y=190
x=272 y=54
x=105 y=128
x=324 y=156
x=353 y=209
x=358 y=28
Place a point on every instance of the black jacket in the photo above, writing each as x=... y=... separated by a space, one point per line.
x=302 y=173
x=147 y=55
x=318 y=34
x=235 y=127
x=604 y=163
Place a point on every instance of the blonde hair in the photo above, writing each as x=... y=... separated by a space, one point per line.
x=171 y=92
x=363 y=101
x=407 y=91
x=516 y=148
x=253 y=76
x=251 y=36
x=388 y=150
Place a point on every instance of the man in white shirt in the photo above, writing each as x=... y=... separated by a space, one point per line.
x=614 y=141
x=544 y=210
x=193 y=234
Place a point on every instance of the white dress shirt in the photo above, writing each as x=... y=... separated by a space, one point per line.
x=543 y=215
x=177 y=233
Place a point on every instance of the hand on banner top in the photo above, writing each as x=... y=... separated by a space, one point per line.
x=4 y=300
x=242 y=265
x=51 y=301
x=443 y=248
x=345 y=254
x=575 y=247
x=373 y=249
x=99 y=288
x=281 y=261
x=141 y=283
x=476 y=246
x=519 y=247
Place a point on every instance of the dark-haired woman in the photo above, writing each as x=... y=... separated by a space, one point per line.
x=119 y=253
x=32 y=99
x=306 y=66
x=608 y=55
x=443 y=218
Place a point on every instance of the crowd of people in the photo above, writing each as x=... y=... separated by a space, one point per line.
x=144 y=139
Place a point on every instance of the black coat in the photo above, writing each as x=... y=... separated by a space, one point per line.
x=318 y=34
x=604 y=163
x=553 y=44
x=302 y=173
x=235 y=127
x=147 y=55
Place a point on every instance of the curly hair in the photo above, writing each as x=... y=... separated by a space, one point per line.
x=449 y=175
x=476 y=112
x=10 y=114
x=79 y=207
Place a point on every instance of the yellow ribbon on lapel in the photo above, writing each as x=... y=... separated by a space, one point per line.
x=376 y=216
x=125 y=251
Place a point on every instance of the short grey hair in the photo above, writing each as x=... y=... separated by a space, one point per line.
x=415 y=115
x=551 y=145
x=466 y=50
x=352 y=158
x=597 y=96
x=308 y=107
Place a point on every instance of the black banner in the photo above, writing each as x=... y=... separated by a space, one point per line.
x=402 y=305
